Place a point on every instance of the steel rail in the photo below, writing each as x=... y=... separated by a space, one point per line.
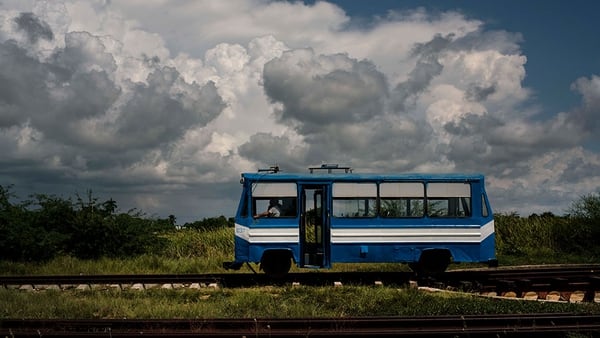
x=534 y=278
x=225 y=279
x=553 y=278
x=543 y=325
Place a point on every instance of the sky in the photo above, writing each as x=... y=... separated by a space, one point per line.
x=161 y=104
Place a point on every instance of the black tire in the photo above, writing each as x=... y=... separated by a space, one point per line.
x=276 y=264
x=432 y=262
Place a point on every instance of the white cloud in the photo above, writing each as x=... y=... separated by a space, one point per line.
x=157 y=102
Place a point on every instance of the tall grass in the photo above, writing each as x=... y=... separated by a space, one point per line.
x=187 y=251
x=545 y=239
x=522 y=236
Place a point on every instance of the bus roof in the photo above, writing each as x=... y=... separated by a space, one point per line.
x=327 y=177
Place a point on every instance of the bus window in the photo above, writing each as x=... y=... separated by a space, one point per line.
x=401 y=199
x=285 y=195
x=354 y=199
x=484 y=209
x=448 y=200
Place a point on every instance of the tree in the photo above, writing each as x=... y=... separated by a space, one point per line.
x=110 y=206
x=211 y=223
x=587 y=207
x=584 y=223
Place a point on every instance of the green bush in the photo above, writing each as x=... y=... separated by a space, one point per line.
x=211 y=223
x=47 y=226
x=548 y=234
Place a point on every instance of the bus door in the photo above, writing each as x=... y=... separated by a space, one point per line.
x=314 y=226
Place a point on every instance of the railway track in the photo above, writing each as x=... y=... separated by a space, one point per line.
x=560 y=282
x=574 y=283
x=229 y=280
x=538 y=325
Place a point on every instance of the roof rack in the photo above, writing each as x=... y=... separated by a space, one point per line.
x=271 y=169
x=330 y=168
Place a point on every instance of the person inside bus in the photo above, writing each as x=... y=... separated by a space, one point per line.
x=274 y=209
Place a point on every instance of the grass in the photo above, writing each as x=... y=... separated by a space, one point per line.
x=193 y=251
x=280 y=302
x=144 y=264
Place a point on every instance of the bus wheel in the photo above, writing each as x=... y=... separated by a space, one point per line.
x=276 y=263
x=432 y=262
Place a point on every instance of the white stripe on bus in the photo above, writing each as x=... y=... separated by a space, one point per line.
x=454 y=234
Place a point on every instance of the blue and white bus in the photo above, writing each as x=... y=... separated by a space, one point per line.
x=324 y=217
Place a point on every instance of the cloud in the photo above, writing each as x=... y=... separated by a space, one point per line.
x=74 y=111
x=426 y=68
x=201 y=25
x=34 y=27
x=162 y=109
x=163 y=104
x=318 y=90
x=587 y=116
x=268 y=149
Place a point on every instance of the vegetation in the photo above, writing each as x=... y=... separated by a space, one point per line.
x=47 y=226
x=50 y=235
x=276 y=302
x=548 y=238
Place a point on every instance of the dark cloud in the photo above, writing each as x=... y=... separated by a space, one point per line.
x=485 y=142
x=22 y=88
x=420 y=77
x=327 y=89
x=82 y=53
x=267 y=149
x=432 y=48
x=578 y=168
x=71 y=118
x=50 y=96
x=479 y=94
x=163 y=109
x=473 y=124
x=497 y=40
x=338 y=105
x=34 y=27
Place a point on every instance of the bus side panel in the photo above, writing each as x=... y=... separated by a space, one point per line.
x=402 y=253
x=372 y=253
x=255 y=236
x=242 y=218
x=249 y=248
x=241 y=250
x=488 y=251
x=403 y=240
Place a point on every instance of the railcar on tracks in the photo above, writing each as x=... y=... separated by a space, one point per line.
x=332 y=215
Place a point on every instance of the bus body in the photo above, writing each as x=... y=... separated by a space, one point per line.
x=426 y=220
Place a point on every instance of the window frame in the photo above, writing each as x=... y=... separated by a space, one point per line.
x=457 y=195
x=404 y=192
x=348 y=192
x=285 y=192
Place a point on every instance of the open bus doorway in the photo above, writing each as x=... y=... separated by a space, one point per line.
x=314 y=223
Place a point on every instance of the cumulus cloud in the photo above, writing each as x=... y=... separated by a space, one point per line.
x=587 y=116
x=34 y=27
x=318 y=90
x=163 y=104
x=73 y=111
